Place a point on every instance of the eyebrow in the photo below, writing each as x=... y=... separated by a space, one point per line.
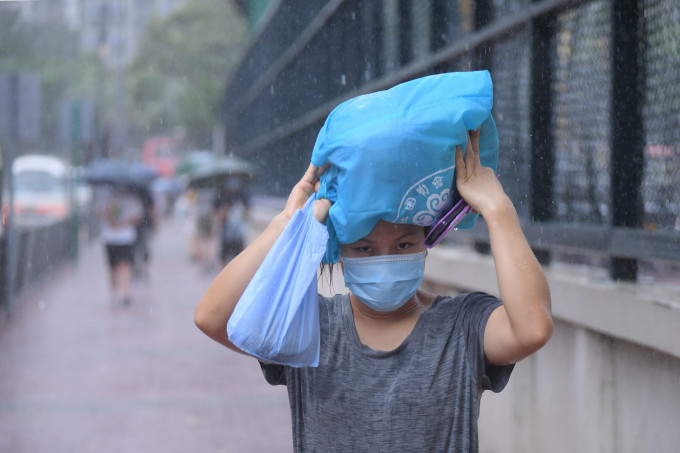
x=408 y=233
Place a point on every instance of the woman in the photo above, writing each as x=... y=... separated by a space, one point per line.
x=401 y=369
x=120 y=214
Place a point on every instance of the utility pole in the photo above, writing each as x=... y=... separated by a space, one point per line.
x=102 y=37
x=9 y=152
x=76 y=143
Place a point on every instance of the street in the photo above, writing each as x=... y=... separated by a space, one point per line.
x=80 y=374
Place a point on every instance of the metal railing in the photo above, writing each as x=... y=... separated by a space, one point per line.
x=584 y=105
x=33 y=254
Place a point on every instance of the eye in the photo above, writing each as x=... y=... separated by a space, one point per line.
x=403 y=245
x=363 y=249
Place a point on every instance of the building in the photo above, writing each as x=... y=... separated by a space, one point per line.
x=113 y=28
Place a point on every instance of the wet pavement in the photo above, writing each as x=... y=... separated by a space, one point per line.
x=80 y=374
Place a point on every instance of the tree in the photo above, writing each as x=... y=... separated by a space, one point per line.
x=51 y=50
x=178 y=75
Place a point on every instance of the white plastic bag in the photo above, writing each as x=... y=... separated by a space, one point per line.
x=277 y=317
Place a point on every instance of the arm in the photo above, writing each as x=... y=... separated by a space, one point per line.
x=523 y=324
x=218 y=303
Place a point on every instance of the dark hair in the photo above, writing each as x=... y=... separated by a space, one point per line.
x=326 y=270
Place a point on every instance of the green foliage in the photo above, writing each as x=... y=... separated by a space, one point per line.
x=52 y=52
x=183 y=63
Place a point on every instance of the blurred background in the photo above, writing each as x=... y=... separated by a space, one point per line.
x=207 y=112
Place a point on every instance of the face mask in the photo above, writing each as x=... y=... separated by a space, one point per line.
x=386 y=282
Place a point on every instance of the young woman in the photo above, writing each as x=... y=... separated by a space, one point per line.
x=401 y=369
x=121 y=213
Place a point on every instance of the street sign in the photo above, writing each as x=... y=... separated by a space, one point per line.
x=20 y=97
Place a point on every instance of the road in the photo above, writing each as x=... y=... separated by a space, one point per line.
x=80 y=374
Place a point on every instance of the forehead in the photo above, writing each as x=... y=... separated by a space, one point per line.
x=386 y=231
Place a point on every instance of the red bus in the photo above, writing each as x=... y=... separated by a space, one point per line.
x=162 y=154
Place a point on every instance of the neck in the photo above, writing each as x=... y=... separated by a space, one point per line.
x=417 y=304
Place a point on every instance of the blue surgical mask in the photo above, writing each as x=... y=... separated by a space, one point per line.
x=385 y=282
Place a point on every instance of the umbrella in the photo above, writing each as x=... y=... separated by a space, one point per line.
x=220 y=171
x=118 y=172
x=193 y=160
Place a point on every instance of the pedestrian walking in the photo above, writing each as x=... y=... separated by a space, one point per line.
x=120 y=213
x=146 y=229
x=399 y=368
x=231 y=208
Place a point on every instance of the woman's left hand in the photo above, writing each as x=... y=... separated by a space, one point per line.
x=523 y=324
x=478 y=185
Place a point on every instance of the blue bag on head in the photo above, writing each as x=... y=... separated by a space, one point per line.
x=392 y=153
x=277 y=317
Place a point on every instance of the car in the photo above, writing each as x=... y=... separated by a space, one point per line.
x=41 y=191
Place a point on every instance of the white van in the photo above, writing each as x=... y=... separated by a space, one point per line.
x=41 y=190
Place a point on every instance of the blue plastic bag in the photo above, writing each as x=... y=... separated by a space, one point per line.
x=392 y=153
x=277 y=317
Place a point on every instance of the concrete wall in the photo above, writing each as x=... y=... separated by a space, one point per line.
x=607 y=382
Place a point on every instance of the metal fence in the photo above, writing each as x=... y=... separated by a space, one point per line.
x=586 y=103
x=31 y=257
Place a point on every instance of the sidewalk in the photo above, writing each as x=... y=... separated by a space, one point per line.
x=78 y=374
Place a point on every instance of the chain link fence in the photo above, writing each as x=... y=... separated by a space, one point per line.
x=563 y=86
x=661 y=115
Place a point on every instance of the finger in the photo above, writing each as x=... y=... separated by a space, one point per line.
x=460 y=165
x=313 y=173
x=475 y=146
x=310 y=175
x=321 y=170
x=321 y=208
x=308 y=182
x=475 y=140
x=470 y=163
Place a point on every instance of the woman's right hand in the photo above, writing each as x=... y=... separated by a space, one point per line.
x=218 y=303
x=308 y=185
